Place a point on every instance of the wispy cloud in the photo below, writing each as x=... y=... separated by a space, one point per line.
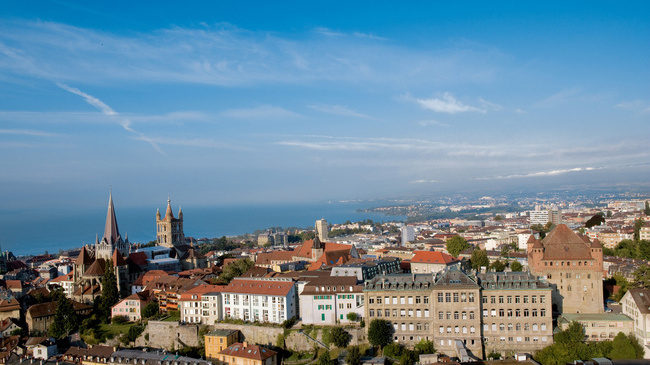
x=424 y=181
x=222 y=54
x=559 y=98
x=337 y=110
x=28 y=132
x=260 y=112
x=542 y=173
x=447 y=104
x=108 y=111
x=639 y=106
x=489 y=105
x=429 y=122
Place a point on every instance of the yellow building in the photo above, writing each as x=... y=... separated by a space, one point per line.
x=245 y=354
x=216 y=341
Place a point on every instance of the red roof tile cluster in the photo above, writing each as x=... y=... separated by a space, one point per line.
x=564 y=244
x=433 y=257
x=247 y=351
x=261 y=287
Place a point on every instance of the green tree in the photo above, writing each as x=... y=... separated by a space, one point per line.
x=340 y=337
x=572 y=335
x=498 y=218
x=637 y=227
x=516 y=266
x=646 y=210
x=110 y=295
x=408 y=358
x=133 y=333
x=456 y=245
x=380 y=332
x=65 y=319
x=622 y=348
x=325 y=359
x=150 y=310
x=234 y=270
x=497 y=266
x=479 y=258
x=596 y=220
x=642 y=277
x=627 y=248
x=354 y=356
x=644 y=249
x=352 y=317
x=425 y=347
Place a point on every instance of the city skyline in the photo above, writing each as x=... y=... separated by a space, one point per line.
x=259 y=103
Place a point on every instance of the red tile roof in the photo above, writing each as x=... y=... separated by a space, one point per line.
x=433 y=257
x=261 y=287
x=564 y=244
x=254 y=352
x=200 y=290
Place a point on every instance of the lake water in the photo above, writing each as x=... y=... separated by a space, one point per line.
x=29 y=232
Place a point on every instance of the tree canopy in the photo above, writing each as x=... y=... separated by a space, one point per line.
x=65 y=319
x=596 y=220
x=479 y=258
x=498 y=266
x=354 y=356
x=110 y=296
x=380 y=332
x=516 y=266
x=235 y=269
x=456 y=245
x=340 y=337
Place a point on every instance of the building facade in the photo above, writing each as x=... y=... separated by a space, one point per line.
x=516 y=312
x=636 y=305
x=272 y=300
x=218 y=340
x=329 y=300
x=322 y=229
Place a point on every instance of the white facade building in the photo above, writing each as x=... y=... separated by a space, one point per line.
x=271 y=300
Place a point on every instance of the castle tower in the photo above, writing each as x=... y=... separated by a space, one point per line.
x=112 y=239
x=169 y=230
x=317 y=249
x=573 y=266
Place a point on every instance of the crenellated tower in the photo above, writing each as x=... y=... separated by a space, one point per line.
x=169 y=230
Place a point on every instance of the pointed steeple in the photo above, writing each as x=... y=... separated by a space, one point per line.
x=111 y=232
x=169 y=213
x=180 y=212
x=158 y=214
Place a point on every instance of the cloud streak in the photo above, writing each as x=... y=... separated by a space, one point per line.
x=337 y=110
x=448 y=104
x=542 y=173
x=108 y=111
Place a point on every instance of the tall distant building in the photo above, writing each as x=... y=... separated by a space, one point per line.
x=169 y=230
x=408 y=234
x=573 y=265
x=539 y=216
x=112 y=239
x=322 y=229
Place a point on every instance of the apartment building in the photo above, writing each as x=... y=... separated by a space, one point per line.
x=516 y=312
x=201 y=304
x=329 y=300
x=218 y=340
x=271 y=300
x=246 y=354
x=368 y=269
x=636 y=305
x=598 y=326
x=432 y=262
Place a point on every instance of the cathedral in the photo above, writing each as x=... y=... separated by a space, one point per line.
x=92 y=262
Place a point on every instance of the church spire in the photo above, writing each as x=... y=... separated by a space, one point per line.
x=111 y=232
x=169 y=213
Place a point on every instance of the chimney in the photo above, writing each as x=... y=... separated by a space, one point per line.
x=245 y=344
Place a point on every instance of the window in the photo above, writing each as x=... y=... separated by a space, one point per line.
x=387 y=313
x=410 y=312
x=442 y=329
x=440 y=297
x=471 y=297
x=464 y=329
x=542 y=312
x=543 y=326
x=525 y=298
x=526 y=327
x=417 y=300
x=402 y=312
x=394 y=300
x=526 y=312
x=455 y=297
x=502 y=312
x=502 y=327
x=493 y=299
x=456 y=329
x=464 y=315
x=448 y=329
x=418 y=313
x=509 y=326
x=509 y=312
x=426 y=299
x=402 y=300
x=484 y=300
x=371 y=312
x=509 y=299
x=517 y=299
x=371 y=300
x=472 y=329
x=518 y=327
x=471 y=315
x=448 y=297
x=500 y=299
x=535 y=327
x=441 y=315
x=534 y=312
x=485 y=313
x=456 y=316
x=448 y=315
x=533 y=299
x=517 y=312
x=378 y=300
x=463 y=297
x=542 y=298
x=426 y=313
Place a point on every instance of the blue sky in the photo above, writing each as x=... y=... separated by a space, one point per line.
x=261 y=102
